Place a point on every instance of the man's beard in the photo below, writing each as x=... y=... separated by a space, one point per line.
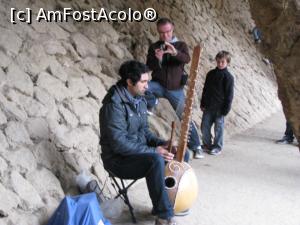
x=142 y=93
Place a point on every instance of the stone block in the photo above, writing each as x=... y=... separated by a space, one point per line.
x=46 y=184
x=4 y=60
x=26 y=192
x=3 y=78
x=33 y=59
x=12 y=110
x=95 y=86
x=102 y=33
x=32 y=107
x=57 y=32
x=74 y=55
x=84 y=46
x=82 y=138
x=44 y=97
x=18 y=79
x=53 y=86
x=57 y=70
x=116 y=50
x=68 y=116
x=21 y=160
x=53 y=47
x=37 y=128
x=3 y=167
x=91 y=65
x=77 y=87
x=84 y=111
x=9 y=200
x=3 y=119
x=10 y=41
x=17 y=134
x=47 y=155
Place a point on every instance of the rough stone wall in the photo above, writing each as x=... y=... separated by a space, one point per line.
x=53 y=77
x=280 y=23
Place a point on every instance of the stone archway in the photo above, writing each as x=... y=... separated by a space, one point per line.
x=280 y=23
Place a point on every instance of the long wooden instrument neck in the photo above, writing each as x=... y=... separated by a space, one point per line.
x=187 y=113
x=172 y=137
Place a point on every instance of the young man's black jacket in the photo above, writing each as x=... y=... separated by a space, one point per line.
x=217 y=92
x=124 y=127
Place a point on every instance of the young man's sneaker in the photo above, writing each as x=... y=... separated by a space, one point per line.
x=284 y=141
x=198 y=153
x=215 y=151
x=170 y=221
x=183 y=213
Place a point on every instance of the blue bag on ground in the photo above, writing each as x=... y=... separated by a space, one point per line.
x=79 y=210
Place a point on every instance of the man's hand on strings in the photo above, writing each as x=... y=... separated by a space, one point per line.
x=173 y=149
x=168 y=156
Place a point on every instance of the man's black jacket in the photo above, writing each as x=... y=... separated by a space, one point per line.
x=124 y=127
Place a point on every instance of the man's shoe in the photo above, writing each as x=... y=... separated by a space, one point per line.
x=170 y=221
x=198 y=153
x=284 y=141
x=183 y=213
x=215 y=151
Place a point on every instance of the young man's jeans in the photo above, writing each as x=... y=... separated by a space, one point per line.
x=152 y=167
x=176 y=99
x=209 y=118
x=289 y=134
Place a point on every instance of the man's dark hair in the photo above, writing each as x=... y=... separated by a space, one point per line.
x=132 y=70
x=224 y=54
x=164 y=21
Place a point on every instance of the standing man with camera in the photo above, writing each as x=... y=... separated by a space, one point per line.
x=166 y=58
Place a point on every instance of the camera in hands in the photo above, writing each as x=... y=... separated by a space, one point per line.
x=162 y=46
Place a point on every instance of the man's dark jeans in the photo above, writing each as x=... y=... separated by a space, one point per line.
x=289 y=134
x=176 y=99
x=152 y=167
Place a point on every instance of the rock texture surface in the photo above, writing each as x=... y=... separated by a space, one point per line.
x=283 y=18
x=53 y=77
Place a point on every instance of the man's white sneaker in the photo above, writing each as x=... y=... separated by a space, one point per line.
x=215 y=151
x=183 y=213
x=198 y=155
x=170 y=221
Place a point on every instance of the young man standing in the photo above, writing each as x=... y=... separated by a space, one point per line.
x=216 y=102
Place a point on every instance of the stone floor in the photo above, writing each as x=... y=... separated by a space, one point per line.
x=253 y=182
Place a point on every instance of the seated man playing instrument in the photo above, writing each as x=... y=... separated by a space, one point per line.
x=129 y=149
